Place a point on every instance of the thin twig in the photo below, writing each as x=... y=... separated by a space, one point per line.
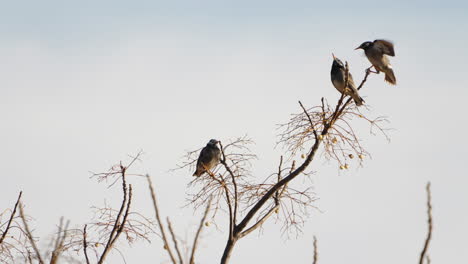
x=236 y=200
x=277 y=195
x=315 y=251
x=11 y=217
x=61 y=236
x=85 y=245
x=158 y=218
x=197 y=235
x=118 y=226
x=232 y=224
x=127 y=212
x=259 y=222
x=429 y=222
x=174 y=239
x=310 y=120
x=29 y=234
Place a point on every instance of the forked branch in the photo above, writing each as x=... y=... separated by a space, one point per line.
x=122 y=214
x=160 y=223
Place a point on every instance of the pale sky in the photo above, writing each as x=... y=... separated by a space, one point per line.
x=83 y=84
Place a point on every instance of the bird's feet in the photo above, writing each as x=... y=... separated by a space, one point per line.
x=369 y=70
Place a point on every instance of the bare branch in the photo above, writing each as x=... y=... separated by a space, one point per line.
x=278 y=195
x=29 y=235
x=61 y=236
x=312 y=126
x=429 y=222
x=278 y=185
x=315 y=251
x=158 y=218
x=233 y=178
x=222 y=183
x=197 y=235
x=123 y=212
x=174 y=239
x=11 y=218
x=85 y=245
x=259 y=222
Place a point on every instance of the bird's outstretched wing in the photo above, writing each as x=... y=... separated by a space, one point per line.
x=385 y=46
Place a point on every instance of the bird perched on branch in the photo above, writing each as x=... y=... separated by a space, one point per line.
x=338 y=78
x=209 y=158
x=377 y=52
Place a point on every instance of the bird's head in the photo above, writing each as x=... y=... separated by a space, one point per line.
x=337 y=62
x=213 y=142
x=364 y=45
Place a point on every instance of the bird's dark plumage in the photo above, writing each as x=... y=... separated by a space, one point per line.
x=209 y=158
x=338 y=78
x=377 y=52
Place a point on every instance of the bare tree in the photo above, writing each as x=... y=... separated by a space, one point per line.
x=109 y=224
x=250 y=204
x=106 y=228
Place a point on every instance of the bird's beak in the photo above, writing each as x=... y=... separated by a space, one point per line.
x=357 y=48
x=333 y=56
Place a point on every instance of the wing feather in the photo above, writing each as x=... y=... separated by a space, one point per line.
x=385 y=46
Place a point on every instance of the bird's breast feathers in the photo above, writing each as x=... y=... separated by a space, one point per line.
x=338 y=84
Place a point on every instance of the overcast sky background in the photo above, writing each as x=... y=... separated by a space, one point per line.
x=85 y=83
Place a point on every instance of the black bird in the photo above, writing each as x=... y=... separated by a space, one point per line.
x=209 y=158
x=377 y=52
x=338 y=79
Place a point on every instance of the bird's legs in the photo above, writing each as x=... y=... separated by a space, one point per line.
x=369 y=70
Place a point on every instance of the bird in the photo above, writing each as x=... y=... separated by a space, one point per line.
x=377 y=52
x=209 y=157
x=338 y=79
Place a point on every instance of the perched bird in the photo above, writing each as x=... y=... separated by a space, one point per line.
x=338 y=79
x=377 y=52
x=209 y=158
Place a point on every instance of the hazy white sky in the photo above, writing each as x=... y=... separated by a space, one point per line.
x=83 y=84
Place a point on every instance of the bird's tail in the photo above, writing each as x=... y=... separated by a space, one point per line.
x=390 y=76
x=358 y=99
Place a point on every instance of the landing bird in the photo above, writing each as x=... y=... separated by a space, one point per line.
x=209 y=158
x=377 y=52
x=338 y=78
